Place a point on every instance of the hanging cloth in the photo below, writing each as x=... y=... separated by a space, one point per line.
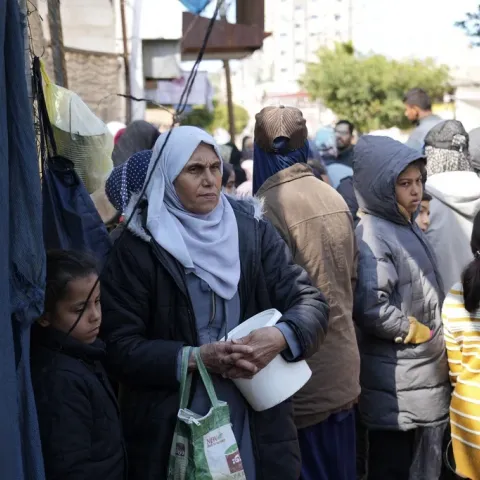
x=70 y=219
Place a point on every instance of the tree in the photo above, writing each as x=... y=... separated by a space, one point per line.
x=368 y=90
x=471 y=26
x=218 y=118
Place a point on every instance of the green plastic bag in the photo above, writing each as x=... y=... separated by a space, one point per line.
x=203 y=448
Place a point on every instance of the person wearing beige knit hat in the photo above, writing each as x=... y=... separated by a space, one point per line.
x=316 y=224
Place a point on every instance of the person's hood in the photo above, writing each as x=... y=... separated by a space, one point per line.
x=378 y=161
x=460 y=191
x=474 y=148
x=138 y=136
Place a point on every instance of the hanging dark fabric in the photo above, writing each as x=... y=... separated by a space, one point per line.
x=22 y=257
x=70 y=219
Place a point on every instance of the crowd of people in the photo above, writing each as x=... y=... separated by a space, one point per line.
x=370 y=251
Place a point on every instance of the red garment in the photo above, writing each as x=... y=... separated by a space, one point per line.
x=118 y=135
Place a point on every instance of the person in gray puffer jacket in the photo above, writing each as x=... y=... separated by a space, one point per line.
x=404 y=373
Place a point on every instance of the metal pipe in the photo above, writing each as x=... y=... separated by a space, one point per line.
x=126 y=62
x=56 y=41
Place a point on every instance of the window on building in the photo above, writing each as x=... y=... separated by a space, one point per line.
x=283 y=70
x=298 y=7
x=313 y=17
x=297 y=25
x=298 y=43
x=283 y=34
x=337 y=17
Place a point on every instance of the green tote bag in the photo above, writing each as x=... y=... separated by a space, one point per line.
x=203 y=447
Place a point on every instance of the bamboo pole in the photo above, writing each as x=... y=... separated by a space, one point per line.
x=56 y=41
x=126 y=62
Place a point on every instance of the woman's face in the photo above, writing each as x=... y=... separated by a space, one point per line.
x=199 y=184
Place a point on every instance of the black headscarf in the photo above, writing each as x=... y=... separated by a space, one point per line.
x=138 y=136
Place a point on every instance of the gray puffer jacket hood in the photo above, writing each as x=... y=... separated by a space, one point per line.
x=403 y=386
x=378 y=161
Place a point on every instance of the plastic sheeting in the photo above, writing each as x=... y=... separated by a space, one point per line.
x=22 y=261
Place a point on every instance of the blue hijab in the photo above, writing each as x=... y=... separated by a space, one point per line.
x=266 y=164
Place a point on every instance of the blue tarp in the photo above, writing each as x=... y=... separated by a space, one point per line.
x=22 y=259
x=195 y=6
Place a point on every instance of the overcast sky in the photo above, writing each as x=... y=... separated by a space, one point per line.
x=396 y=28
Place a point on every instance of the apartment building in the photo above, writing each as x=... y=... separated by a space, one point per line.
x=299 y=28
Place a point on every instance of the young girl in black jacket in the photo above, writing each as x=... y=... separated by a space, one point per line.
x=77 y=409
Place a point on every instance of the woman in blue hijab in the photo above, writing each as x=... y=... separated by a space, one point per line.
x=191 y=266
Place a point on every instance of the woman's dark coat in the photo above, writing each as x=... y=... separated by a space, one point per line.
x=148 y=317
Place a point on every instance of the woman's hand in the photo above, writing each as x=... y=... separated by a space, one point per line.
x=265 y=343
x=219 y=357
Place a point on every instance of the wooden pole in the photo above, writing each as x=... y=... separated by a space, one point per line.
x=126 y=62
x=231 y=113
x=56 y=41
x=228 y=79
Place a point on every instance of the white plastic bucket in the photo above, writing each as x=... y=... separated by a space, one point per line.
x=279 y=380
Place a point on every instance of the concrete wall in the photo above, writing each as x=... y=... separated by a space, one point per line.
x=87 y=24
x=95 y=72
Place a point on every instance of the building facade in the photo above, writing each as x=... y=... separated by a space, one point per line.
x=299 y=28
x=94 y=67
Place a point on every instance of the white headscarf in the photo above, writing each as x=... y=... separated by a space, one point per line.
x=206 y=245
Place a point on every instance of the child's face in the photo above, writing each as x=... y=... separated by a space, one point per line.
x=409 y=189
x=71 y=305
x=423 y=218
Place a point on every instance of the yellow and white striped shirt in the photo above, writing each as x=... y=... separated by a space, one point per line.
x=462 y=337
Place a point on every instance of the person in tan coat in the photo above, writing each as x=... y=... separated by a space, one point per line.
x=315 y=222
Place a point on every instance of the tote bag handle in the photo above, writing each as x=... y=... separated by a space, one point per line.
x=186 y=379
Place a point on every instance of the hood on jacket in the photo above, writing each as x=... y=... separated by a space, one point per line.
x=474 y=148
x=378 y=161
x=460 y=191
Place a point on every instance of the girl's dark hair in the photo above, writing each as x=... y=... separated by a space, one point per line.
x=63 y=266
x=227 y=171
x=426 y=196
x=471 y=274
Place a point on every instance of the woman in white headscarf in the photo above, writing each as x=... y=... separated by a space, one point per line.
x=193 y=265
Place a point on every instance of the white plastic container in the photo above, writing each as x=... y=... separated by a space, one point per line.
x=279 y=380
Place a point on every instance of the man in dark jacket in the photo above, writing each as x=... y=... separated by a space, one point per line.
x=344 y=138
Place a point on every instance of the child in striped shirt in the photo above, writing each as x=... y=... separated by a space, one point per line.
x=461 y=317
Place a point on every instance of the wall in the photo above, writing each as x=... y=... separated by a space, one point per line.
x=87 y=24
x=94 y=69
